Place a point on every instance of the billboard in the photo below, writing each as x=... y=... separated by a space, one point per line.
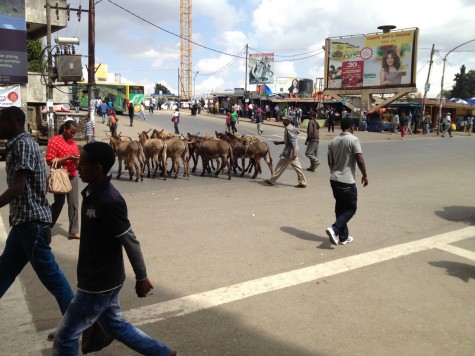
x=101 y=72
x=10 y=96
x=294 y=87
x=261 y=68
x=380 y=60
x=13 y=58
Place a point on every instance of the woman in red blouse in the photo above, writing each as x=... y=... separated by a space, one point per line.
x=65 y=149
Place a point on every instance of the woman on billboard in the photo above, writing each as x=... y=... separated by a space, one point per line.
x=294 y=88
x=392 y=70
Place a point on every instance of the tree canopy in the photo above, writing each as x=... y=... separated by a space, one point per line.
x=162 y=88
x=33 y=53
x=464 y=87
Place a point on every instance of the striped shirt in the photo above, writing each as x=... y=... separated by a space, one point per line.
x=23 y=153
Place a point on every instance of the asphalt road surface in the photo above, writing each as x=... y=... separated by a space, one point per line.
x=242 y=268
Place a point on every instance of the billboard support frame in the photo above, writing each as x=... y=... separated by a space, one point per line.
x=366 y=94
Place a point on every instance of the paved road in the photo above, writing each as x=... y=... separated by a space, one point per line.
x=242 y=268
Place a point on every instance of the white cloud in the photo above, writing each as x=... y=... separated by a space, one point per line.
x=144 y=53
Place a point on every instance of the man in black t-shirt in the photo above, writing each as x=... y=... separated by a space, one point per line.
x=105 y=229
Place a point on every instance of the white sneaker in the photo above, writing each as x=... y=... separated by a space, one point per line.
x=332 y=236
x=347 y=241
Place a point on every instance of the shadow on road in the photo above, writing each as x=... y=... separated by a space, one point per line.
x=304 y=235
x=456 y=269
x=465 y=214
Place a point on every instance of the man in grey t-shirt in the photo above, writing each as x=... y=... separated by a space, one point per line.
x=344 y=152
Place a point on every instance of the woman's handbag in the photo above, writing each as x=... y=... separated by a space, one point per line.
x=58 y=179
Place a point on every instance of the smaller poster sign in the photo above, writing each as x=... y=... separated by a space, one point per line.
x=10 y=96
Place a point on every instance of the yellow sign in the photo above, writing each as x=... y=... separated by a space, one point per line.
x=101 y=72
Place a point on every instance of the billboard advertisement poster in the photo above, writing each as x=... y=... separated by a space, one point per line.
x=294 y=87
x=101 y=71
x=13 y=58
x=371 y=61
x=288 y=85
x=10 y=96
x=261 y=68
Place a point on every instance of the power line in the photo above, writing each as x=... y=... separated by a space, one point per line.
x=287 y=51
x=171 y=33
x=195 y=43
x=224 y=67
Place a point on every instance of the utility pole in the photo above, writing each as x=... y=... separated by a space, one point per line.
x=91 y=59
x=245 y=71
x=49 y=87
x=64 y=41
x=179 y=92
x=427 y=86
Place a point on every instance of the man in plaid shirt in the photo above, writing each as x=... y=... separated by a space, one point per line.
x=30 y=213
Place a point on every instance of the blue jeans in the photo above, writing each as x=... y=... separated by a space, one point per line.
x=345 y=207
x=426 y=129
x=85 y=309
x=26 y=243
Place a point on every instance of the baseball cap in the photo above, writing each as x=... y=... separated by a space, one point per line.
x=288 y=118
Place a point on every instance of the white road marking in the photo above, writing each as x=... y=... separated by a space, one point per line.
x=206 y=300
x=458 y=251
x=193 y=303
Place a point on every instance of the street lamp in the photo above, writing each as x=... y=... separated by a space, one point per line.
x=194 y=85
x=439 y=117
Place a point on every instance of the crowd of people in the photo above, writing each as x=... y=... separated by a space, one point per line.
x=105 y=229
x=105 y=232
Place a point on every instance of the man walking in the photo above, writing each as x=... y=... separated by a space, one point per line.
x=30 y=213
x=289 y=154
x=470 y=124
x=395 y=122
x=105 y=233
x=344 y=152
x=176 y=120
x=313 y=138
x=446 y=122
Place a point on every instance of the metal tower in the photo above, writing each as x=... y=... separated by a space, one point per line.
x=185 y=50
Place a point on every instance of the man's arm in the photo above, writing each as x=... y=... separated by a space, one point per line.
x=331 y=162
x=294 y=151
x=361 y=165
x=16 y=189
x=132 y=247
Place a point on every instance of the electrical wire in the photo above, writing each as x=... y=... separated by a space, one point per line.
x=287 y=51
x=171 y=33
x=198 y=44
x=226 y=66
x=426 y=63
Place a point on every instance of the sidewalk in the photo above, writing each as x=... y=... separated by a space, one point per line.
x=123 y=128
x=364 y=136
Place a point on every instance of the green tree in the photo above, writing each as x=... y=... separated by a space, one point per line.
x=464 y=87
x=162 y=88
x=34 y=56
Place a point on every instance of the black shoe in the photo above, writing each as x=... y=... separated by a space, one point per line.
x=300 y=185
x=51 y=336
x=310 y=169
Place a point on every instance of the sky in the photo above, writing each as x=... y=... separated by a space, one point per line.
x=140 y=39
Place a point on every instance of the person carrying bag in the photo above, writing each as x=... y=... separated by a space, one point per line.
x=58 y=179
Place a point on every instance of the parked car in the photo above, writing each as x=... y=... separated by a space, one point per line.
x=172 y=105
